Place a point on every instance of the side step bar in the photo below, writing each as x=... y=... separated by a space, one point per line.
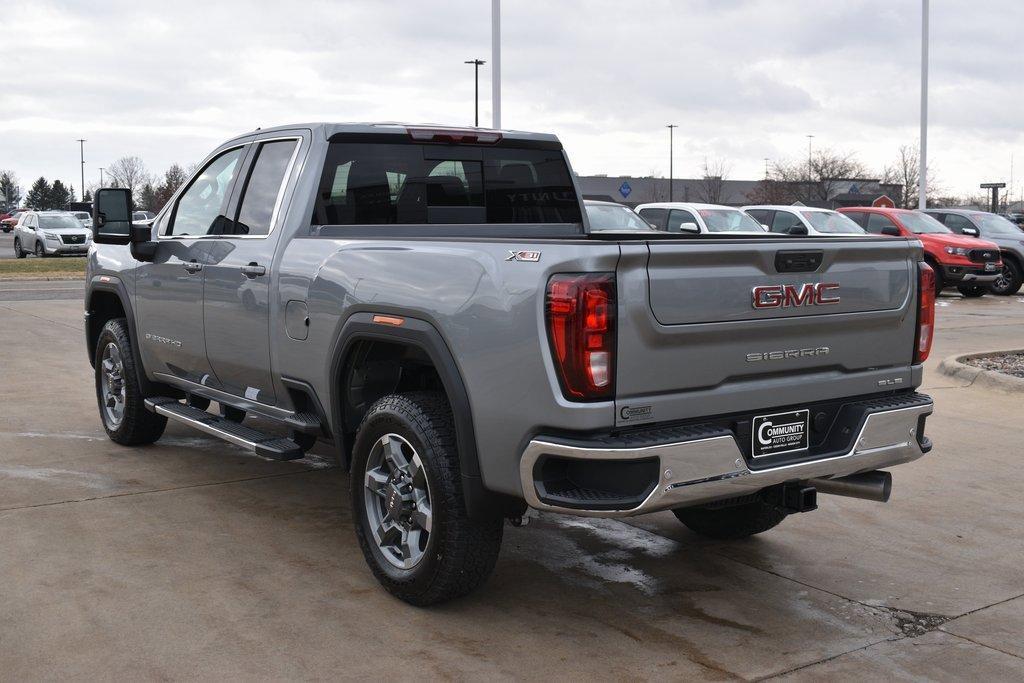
x=265 y=445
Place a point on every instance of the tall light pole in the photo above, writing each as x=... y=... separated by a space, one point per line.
x=101 y=176
x=477 y=63
x=810 y=138
x=495 y=63
x=671 y=158
x=81 y=159
x=922 y=172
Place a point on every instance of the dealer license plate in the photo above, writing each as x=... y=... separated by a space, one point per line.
x=780 y=433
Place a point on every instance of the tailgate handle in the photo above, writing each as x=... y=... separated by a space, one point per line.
x=798 y=261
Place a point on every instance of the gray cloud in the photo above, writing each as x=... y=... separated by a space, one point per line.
x=744 y=79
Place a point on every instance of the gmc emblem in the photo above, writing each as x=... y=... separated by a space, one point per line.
x=786 y=296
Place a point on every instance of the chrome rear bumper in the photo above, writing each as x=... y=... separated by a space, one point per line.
x=702 y=470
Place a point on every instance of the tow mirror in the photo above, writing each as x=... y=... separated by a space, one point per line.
x=891 y=231
x=970 y=232
x=688 y=227
x=112 y=222
x=112 y=216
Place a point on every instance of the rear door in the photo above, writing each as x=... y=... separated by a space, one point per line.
x=722 y=325
x=239 y=273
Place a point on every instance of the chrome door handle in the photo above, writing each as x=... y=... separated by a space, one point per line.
x=193 y=266
x=253 y=270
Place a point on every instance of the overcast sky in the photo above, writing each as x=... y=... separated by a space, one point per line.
x=743 y=80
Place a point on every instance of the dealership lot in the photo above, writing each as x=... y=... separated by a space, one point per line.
x=191 y=558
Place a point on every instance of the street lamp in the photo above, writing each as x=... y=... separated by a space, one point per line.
x=922 y=173
x=81 y=160
x=101 y=176
x=477 y=63
x=496 y=64
x=671 y=154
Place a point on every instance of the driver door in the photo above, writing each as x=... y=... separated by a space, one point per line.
x=169 y=290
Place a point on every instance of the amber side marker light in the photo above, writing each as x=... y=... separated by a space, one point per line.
x=389 y=320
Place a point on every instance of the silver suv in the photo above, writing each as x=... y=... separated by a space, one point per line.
x=50 y=233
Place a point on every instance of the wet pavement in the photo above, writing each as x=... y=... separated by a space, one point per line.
x=193 y=559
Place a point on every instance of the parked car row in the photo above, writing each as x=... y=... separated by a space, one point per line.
x=974 y=251
x=51 y=233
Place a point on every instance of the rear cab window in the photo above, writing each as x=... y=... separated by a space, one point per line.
x=409 y=183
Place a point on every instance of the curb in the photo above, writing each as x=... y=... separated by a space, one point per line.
x=953 y=366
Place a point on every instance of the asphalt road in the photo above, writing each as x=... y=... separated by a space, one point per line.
x=6 y=244
x=193 y=559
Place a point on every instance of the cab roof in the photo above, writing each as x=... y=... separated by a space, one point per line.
x=326 y=130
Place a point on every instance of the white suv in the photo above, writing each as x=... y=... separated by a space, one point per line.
x=698 y=218
x=50 y=233
x=783 y=219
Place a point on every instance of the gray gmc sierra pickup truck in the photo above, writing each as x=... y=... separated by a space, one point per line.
x=431 y=302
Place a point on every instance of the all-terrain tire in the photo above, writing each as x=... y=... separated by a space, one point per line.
x=460 y=551
x=1011 y=280
x=734 y=521
x=137 y=426
x=972 y=291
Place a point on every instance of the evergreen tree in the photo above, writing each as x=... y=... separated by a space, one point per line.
x=147 y=198
x=60 y=196
x=10 y=190
x=173 y=178
x=38 y=196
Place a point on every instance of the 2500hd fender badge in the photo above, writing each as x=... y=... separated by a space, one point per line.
x=788 y=296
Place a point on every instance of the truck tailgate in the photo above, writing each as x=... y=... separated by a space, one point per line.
x=712 y=327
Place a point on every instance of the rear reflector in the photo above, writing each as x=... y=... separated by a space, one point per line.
x=581 y=329
x=925 y=313
x=454 y=135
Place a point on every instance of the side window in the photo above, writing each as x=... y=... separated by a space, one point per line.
x=783 y=221
x=876 y=222
x=656 y=217
x=264 y=187
x=759 y=215
x=957 y=223
x=677 y=217
x=858 y=217
x=200 y=208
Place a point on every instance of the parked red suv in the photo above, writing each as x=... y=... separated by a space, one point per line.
x=968 y=263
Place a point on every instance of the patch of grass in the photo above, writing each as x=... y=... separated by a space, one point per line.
x=32 y=268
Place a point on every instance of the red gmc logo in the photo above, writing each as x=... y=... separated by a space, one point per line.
x=786 y=296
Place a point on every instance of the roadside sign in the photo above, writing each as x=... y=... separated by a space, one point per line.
x=624 y=189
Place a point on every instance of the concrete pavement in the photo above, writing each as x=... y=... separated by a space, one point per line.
x=193 y=559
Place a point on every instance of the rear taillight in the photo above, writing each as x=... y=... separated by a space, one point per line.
x=581 y=329
x=925 y=312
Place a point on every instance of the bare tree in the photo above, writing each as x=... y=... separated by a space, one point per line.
x=130 y=173
x=771 y=191
x=712 y=185
x=906 y=171
x=816 y=180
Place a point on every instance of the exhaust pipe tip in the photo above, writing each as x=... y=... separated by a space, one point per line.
x=876 y=486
